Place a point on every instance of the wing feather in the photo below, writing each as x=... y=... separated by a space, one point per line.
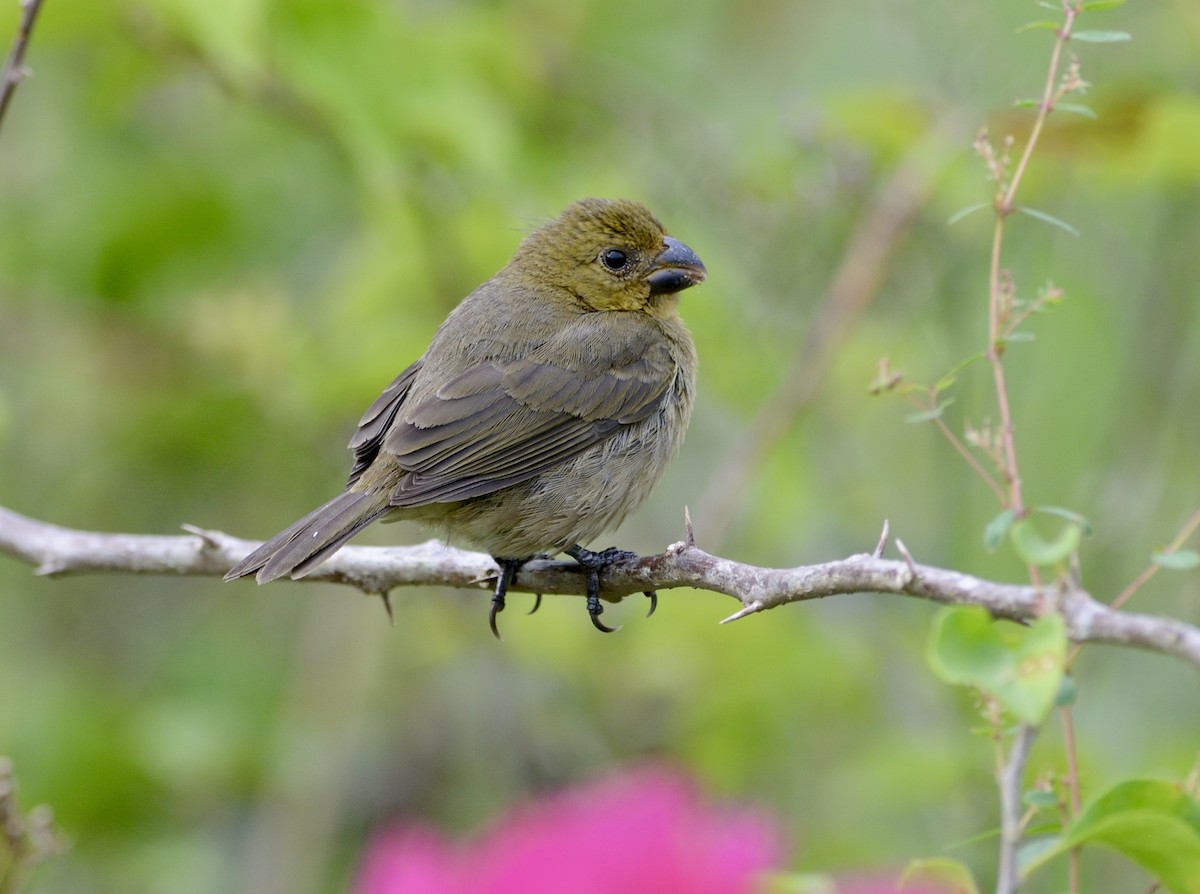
x=501 y=422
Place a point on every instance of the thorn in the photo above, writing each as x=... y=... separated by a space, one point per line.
x=206 y=537
x=883 y=539
x=537 y=603
x=750 y=609
x=386 y=597
x=652 y=595
x=908 y=559
x=690 y=540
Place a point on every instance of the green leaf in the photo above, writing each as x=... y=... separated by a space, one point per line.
x=1046 y=4
x=796 y=883
x=1153 y=822
x=1077 y=108
x=1037 y=797
x=1045 y=24
x=1050 y=219
x=928 y=415
x=995 y=530
x=1101 y=36
x=1066 y=693
x=948 y=379
x=1179 y=560
x=1036 y=852
x=1018 y=336
x=1097 y=5
x=1034 y=549
x=1069 y=514
x=964 y=212
x=1026 y=103
x=1020 y=666
x=942 y=869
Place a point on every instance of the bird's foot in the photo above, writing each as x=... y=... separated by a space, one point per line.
x=508 y=574
x=593 y=564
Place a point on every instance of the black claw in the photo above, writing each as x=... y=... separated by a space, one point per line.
x=594 y=613
x=537 y=603
x=497 y=606
x=508 y=574
x=592 y=564
x=652 y=595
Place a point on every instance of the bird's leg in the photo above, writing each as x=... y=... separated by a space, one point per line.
x=508 y=574
x=593 y=564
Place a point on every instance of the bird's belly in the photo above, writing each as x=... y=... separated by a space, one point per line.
x=572 y=503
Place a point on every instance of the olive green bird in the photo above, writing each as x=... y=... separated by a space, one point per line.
x=545 y=409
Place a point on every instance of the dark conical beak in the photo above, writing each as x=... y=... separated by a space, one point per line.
x=675 y=269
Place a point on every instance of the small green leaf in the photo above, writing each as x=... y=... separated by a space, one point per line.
x=994 y=533
x=1066 y=693
x=1040 y=798
x=964 y=212
x=1097 y=5
x=1179 y=560
x=1046 y=4
x=1045 y=24
x=796 y=883
x=1020 y=666
x=1069 y=514
x=1077 y=108
x=1153 y=822
x=1026 y=103
x=1018 y=336
x=1101 y=36
x=1034 y=549
x=948 y=379
x=942 y=869
x=930 y=414
x=1050 y=219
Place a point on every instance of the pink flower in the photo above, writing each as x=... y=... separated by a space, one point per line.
x=645 y=831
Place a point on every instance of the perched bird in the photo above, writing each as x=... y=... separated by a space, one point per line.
x=543 y=412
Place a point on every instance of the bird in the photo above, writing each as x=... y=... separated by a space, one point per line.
x=546 y=407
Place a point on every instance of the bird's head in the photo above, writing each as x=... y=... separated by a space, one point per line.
x=610 y=255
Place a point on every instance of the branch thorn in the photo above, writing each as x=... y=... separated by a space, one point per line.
x=908 y=559
x=750 y=609
x=883 y=539
x=206 y=537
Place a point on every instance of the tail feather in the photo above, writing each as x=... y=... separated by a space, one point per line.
x=304 y=545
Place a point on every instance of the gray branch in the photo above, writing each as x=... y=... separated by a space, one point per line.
x=54 y=550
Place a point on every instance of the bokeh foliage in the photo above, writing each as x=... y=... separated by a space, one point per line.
x=226 y=224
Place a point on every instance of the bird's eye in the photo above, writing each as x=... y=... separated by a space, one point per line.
x=614 y=259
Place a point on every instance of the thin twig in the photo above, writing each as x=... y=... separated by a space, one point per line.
x=1010 y=775
x=1074 y=801
x=14 y=68
x=1189 y=528
x=1004 y=207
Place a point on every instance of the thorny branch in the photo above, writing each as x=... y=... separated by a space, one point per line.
x=54 y=550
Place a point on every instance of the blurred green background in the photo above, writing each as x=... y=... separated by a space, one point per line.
x=226 y=224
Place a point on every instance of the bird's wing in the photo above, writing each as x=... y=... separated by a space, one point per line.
x=374 y=425
x=502 y=422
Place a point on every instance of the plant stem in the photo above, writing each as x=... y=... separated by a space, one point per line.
x=1009 y=780
x=14 y=72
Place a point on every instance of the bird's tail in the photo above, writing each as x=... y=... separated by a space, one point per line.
x=303 y=546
